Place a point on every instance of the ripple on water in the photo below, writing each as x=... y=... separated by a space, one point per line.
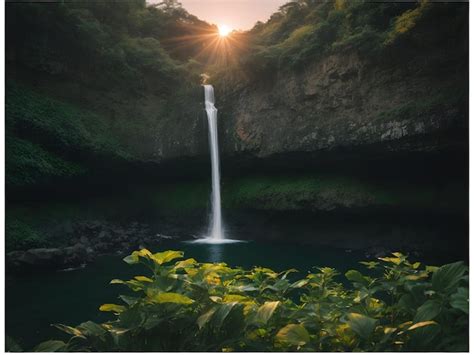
x=215 y=241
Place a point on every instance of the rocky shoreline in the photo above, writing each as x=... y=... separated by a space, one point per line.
x=85 y=241
x=74 y=244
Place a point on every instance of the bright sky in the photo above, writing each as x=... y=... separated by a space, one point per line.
x=236 y=14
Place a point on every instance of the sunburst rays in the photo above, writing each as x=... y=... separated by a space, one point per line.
x=210 y=46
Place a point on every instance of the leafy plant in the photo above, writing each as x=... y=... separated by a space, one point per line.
x=186 y=305
x=305 y=31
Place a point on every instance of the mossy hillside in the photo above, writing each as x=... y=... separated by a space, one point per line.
x=304 y=31
x=326 y=192
x=266 y=193
x=48 y=138
x=29 y=163
x=58 y=124
x=316 y=192
x=21 y=235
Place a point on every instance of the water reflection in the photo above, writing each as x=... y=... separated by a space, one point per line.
x=216 y=252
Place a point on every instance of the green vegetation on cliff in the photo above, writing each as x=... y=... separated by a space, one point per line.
x=22 y=236
x=133 y=71
x=310 y=192
x=303 y=31
x=191 y=306
x=99 y=45
x=322 y=193
x=90 y=82
x=47 y=138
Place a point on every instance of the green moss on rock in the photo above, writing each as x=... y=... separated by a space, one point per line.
x=28 y=164
x=325 y=193
x=21 y=235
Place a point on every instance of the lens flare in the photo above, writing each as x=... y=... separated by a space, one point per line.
x=219 y=45
x=224 y=30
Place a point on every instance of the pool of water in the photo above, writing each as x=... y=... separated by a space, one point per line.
x=35 y=301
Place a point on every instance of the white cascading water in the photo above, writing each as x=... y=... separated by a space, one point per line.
x=215 y=227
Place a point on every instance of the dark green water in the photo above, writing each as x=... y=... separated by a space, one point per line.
x=279 y=241
x=35 y=301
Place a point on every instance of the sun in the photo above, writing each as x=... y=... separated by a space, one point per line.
x=224 y=30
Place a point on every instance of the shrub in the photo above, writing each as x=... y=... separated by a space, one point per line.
x=305 y=31
x=21 y=235
x=186 y=305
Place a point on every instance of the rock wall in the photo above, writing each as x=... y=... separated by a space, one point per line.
x=342 y=107
x=344 y=101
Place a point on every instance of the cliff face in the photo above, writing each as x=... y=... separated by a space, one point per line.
x=323 y=81
x=345 y=102
x=340 y=107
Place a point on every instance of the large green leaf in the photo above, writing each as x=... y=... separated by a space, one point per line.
x=204 y=318
x=129 y=300
x=418 y=292
x=11 y=346
x=244 y=288
x=94 y=334
x=67 y=329
x=460 y=299
x=279 y=286
x=422 y=324
x=110 y=307
x=407 y=302
x=362 y=325
x=166 y=256
x=117 y=281
x=299 y=283
x=134 y=285
x=222 y=313
x=51 y=346
x=448 y=276
x=134 y=258
x=132 y=318
x=161 y=284
x=143 y=279
x=235 y=298
x=397 y=260
x=185 y=263
x=265 y=312
x=78 y=344
x=427 y=311
x=92 y=329
x=361 y=295
x=170 y=297
x=293 y=334
x=356 y=276
x=423 y=336
x=369 y=264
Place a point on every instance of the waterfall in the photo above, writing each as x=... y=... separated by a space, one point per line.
x=215 y=234
x=215 y=226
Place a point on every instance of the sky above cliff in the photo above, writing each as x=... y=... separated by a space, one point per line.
x=236 y=14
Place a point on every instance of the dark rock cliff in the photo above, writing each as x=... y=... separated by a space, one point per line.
x=346 y=103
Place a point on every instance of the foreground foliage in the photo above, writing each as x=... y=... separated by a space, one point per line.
x=186 y=305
